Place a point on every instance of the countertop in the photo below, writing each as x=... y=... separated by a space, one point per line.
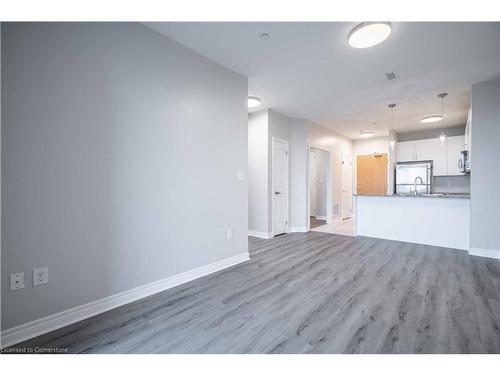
x=439 y=196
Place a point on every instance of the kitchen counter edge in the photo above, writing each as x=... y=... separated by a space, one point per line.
x=445 y=196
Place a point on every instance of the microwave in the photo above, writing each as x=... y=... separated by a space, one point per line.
x=464 y=162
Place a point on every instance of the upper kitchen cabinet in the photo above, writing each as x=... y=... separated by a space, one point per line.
x=444 y=155
x=415 y=150
x=455 y=147
x=439 y=157
x=406 y=151
x=423 y=149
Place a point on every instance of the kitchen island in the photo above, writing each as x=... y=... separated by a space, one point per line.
x=438 y=220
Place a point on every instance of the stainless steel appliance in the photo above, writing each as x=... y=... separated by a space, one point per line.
x=464 y=162
x=414 y=177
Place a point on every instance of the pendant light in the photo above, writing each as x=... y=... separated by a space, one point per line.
x=442 y=136
x=392 y=142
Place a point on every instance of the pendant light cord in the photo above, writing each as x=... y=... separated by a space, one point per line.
x=442 y=96
x=442 y=114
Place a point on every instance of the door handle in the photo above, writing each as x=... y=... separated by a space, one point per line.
x=277 y=193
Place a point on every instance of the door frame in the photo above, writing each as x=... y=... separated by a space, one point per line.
x=329 y=186
x=342 y=185
x=355 y=170
x=309 y=175
x=287 y=226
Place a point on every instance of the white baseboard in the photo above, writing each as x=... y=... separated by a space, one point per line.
x=487 y=253
x=297 y=229
x=258 y=234
x=61 y=319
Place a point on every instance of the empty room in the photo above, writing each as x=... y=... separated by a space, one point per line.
x=250 y=187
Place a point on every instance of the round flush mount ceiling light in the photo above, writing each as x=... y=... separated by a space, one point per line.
x=365 y=133
x=369 y=34
x=253 y=102
x=431 y=118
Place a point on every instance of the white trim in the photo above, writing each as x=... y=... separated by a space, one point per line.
x=487 y=253
x=259 y=234
x=297 y=229
x=308 y=188
x=341 y=213
x=286 y=142
x=329 y=187
x=61 y=319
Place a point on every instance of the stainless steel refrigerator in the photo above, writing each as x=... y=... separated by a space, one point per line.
x=411 y=175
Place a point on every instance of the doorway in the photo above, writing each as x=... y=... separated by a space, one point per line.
x=279 y=185
x=320 y=193
x=346 y=187
x=371 y=174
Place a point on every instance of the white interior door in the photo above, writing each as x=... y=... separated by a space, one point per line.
x=313 y=184
x=346 y=187
x=280 y=186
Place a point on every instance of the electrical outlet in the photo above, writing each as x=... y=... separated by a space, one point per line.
x=40 y=276
x=229 y=234
x=17 y=281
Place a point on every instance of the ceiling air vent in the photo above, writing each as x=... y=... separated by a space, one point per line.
x=391 y=76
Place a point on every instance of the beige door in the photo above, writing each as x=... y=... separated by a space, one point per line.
x=372 y=174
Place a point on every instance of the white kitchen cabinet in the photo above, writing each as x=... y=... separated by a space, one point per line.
x=424 y=149
x=455 y=147
x=406 y=151
x=415 y=150
x=445 y=155
x=439 y=157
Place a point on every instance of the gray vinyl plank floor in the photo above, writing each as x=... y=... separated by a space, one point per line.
x=311 y=293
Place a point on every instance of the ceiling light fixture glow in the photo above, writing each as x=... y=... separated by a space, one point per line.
x=253 y=102
x=366 y=134
x=369 y=34
x=431 y=118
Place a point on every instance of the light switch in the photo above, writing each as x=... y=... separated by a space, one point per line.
x=241 y=175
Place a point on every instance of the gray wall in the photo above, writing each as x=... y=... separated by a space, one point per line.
x=430 y=133
x=262 y=127
x=485 y=166
x=298 y=175
x=120 y=154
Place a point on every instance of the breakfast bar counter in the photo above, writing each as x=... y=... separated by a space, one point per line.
x=438 y=220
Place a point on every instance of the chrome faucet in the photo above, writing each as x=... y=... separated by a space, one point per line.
x=421 y=183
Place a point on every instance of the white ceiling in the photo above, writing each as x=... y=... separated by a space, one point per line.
x=308 y=70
